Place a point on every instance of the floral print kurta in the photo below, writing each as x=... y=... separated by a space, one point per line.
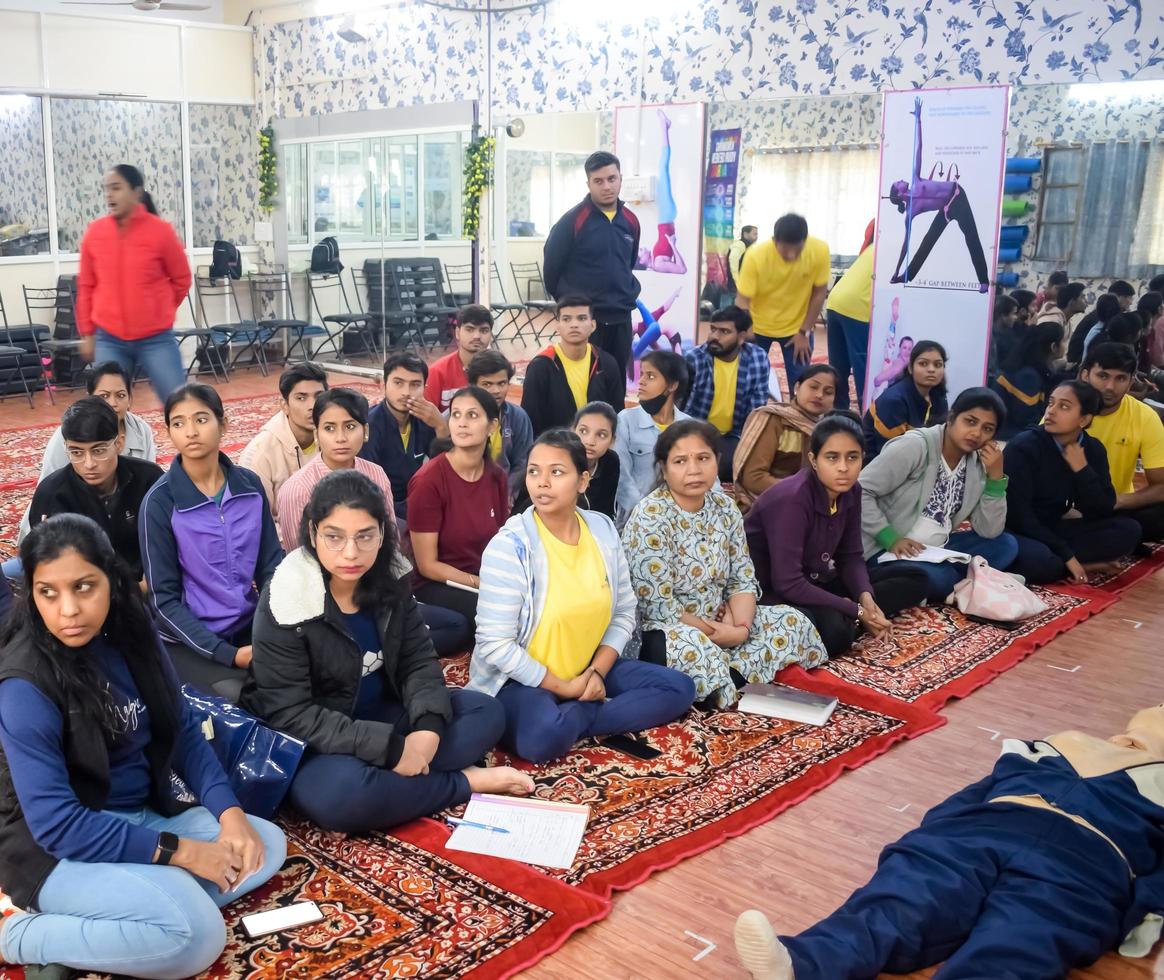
x=681 y=562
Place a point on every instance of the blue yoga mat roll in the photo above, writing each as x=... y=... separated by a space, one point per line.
x=1023 y=165
x=1007 y=280
x=1011 y=235
x=1017 y=183
x=1008 y=254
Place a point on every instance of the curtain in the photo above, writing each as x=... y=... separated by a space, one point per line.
x=1147 y=252
x=835 y=190
x=1111 y=205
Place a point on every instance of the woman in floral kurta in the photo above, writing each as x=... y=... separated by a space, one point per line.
x=688 y=559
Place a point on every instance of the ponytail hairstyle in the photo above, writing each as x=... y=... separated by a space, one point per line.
x=128 y=626
x=132 y=176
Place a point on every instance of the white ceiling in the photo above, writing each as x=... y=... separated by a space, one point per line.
x=214 y=15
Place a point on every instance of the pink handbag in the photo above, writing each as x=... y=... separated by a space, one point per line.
x=990 y=594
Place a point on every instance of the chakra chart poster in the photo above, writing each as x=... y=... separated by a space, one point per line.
x=943 y=154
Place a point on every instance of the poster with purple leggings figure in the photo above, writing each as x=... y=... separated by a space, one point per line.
x=943 y=155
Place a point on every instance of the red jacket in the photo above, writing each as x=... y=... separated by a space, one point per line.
x=132 y=281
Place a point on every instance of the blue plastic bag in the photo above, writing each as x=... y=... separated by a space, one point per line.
x=259 y=761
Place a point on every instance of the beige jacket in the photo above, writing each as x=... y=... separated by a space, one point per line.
x=274 y=456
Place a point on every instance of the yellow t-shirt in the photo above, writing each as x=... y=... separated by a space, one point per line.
x=610 y=214
x=495 y=444
x=310 y=450
x=852 y=296
x=780 y=290
x=791 y=441
x=578 y=604
x=577 y=374
x=1133 y=431
x=405 y=432
x=723 y=398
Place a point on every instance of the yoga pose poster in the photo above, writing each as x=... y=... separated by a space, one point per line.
x=665 y=143
x=943 y=153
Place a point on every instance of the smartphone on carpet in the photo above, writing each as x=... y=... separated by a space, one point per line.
x=633 y=747
x=281 y=919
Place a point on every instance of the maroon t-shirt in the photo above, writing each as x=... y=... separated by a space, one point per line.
x=463 y=515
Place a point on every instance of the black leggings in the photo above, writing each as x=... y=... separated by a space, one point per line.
x=895 y=588
x=1092 y=541
x=959 y=210
x=458 y=600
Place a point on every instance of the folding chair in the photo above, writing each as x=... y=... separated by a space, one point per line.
x=272 y=291
x=328 y=287
x=20 y=357
x=389 y=321
x=420 y=291
x=459 y=279
x=206 y=351
x=60 y=340
x=218 y=293
x=512 y=309
x=527 y=275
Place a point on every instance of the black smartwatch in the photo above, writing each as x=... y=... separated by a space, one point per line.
x=167 y=847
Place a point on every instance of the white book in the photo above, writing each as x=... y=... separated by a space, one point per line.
x=931 y=554
x=788 y=703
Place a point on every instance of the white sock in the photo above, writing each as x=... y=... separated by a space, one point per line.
x=762 y=954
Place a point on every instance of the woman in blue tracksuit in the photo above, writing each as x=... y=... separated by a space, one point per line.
x=1027 y=378
x=556 y=610
x=913 y=401
x=208 y=546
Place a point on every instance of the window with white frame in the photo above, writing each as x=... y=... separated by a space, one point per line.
x=539 y=186
x=825 y=185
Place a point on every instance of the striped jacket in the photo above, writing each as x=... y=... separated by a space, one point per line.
x=513 y=594
x=751 y=383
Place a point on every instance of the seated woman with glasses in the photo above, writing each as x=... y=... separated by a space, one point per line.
x=208 y=545
x=343 y=661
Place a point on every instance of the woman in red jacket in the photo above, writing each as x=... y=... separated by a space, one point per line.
x=134 y=276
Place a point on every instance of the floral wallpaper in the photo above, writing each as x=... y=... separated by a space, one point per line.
x=223 y=173
x=91 y=135
x=591 y=56
x=23 y=185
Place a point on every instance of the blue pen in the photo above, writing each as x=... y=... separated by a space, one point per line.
x=457 y=822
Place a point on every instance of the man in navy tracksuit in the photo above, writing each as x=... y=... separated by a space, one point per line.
x=592 y=250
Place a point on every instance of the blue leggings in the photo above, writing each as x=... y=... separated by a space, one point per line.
x=341 y=792
x=665 y=205
x=1000 y=891
x=138 y=920
x=540 y=727
x=999 y=552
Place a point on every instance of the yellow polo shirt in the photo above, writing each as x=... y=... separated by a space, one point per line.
x=578 y=604
x=1133 y=431
x=780 y=290
x=723 y=398
x=577 y=374
x=852 y=296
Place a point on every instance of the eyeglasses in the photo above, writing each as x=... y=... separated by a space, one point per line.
x=100 y=452
x=365 y=540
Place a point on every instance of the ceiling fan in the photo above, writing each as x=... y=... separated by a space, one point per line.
x=143 y=5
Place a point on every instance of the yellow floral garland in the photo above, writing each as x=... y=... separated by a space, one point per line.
x=268 y=170
x=478 y=177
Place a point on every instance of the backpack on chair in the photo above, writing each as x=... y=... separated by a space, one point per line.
x=325 y=256
x=225 y=261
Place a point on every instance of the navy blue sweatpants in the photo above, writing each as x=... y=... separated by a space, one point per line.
x=639 y=695
x=1004 y=892
x=341 y=792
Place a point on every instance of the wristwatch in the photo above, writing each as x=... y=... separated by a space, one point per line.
x=167 y=847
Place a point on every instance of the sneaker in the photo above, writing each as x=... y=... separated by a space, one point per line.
x=762 y=954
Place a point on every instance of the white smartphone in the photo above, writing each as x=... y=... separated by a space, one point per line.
x=281 y=919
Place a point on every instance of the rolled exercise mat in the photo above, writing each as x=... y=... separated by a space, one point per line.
x=1011 y=235
x=1008 y=254
x=1008 y=280
x=1016 y=183
x=1023 y=165
x=1015 y=208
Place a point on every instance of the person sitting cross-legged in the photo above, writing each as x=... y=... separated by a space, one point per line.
x=97 y=481
x=556 y=610
x=1055 y=469
x=1052 y=860
x=343 y=661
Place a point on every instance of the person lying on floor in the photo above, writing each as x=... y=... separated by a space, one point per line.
x=925 y=483
x=556 y=610
x=804 y=534
x=695 y=582
x=1049 y=862
x=1055 y=469
x=112 y=873
x=344 y=662
x=97 y=481
x=208 y=546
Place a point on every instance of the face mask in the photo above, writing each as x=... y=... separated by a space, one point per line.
x=652 y=406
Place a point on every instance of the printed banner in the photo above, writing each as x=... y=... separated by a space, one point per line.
x=943 y=153
x=663 y=146
x=719 y=203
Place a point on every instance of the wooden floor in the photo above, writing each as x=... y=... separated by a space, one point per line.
x=802 y=864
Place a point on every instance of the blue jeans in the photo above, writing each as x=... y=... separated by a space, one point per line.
x=540 y=727
x=999 y=553
x=158 y=355
x=792 y=367
x=848 y=351
x=341 y=792
x=141 y=920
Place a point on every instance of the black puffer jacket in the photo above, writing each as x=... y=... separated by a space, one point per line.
x=307 y=667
